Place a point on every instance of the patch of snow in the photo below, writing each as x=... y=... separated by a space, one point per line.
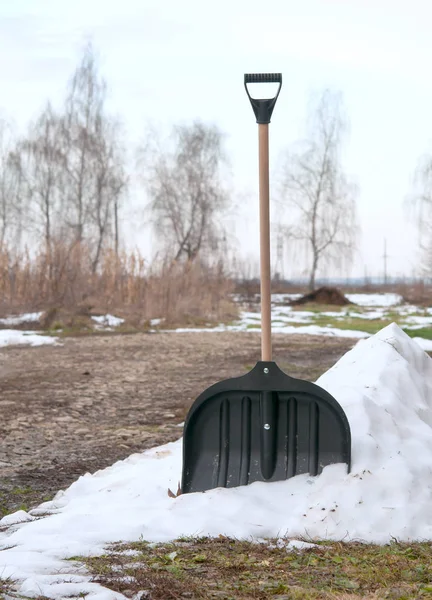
x=14 y=337
x=291 y=545
x=384 y=385
x=319 y=330
x=375 y=299
x=287 y=329
x=334 y=313
x=426 y=345
x=417 y=322
x=154 y=322
x=108 y=321
x=18 y=320
x=408 y=309
x=281 y=298
x=20 y=516
x=370 y=314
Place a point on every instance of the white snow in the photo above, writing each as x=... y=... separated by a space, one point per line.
x=12 y=337
x=375 y=299
x=281 y=298
x=284 y=316
x=158 y=321
x=424 y=344
x=417 y=322
x=108 y=320
x=25 y=318
x=384 y=384
x=288 y=329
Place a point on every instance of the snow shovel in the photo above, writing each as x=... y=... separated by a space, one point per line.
x=265 y=425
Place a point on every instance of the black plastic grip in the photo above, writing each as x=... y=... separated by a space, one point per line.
x=263 y=108
x=263 y=78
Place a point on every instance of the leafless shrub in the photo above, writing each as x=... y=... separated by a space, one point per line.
x=126 y=283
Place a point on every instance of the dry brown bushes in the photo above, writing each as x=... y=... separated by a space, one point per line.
x=62 y=277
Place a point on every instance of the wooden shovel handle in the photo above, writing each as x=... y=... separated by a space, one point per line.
x=264 y=200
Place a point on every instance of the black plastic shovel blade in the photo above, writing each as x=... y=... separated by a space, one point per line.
x=263 y=426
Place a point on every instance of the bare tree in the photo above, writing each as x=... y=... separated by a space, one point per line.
x=84 y=108
x=110 y=184
x=42 y=166
x=186 y=190
x=94 y=161
x=318 y=195
x=11 y=187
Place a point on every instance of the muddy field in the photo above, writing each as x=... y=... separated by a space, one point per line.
x=80 y=406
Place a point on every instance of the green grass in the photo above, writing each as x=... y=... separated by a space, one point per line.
x=20 y=498
x=226 y=568
x=346 y=321
x=319 y=308
x=355 y=323
x=424 y=332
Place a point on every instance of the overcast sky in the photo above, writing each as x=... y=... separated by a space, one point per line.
x=174 y=61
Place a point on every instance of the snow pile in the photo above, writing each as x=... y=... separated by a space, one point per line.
x=384 y=385
x=13 y=337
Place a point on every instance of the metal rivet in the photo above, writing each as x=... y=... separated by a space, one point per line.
x=266 y=426
x=266 y=370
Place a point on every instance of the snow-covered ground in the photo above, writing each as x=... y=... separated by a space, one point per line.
x=375 y=299
x=289 y=320
x=288 y=329
x=384 y=384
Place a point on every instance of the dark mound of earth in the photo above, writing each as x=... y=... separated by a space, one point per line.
x=323 y=295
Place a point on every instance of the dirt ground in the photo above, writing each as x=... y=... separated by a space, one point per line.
x=80 y=406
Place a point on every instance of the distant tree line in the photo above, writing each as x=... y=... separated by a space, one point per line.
x=68 y=179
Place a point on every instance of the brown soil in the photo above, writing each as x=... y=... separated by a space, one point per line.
x=324 y=295
x=80 y=406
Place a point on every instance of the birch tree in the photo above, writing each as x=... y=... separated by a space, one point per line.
x=42 y=167
x=185 y=184
x=11 y=187
x=316 y=193
x=94 y=160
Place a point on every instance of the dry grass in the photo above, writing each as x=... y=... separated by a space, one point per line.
x=62 y=278
x=6 y=587
x=418 y=293
x=226 y=568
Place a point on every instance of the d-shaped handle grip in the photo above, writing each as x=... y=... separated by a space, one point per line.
x=263 y=78
x=263 y=108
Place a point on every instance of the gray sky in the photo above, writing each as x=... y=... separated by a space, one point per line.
x=175 y=61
